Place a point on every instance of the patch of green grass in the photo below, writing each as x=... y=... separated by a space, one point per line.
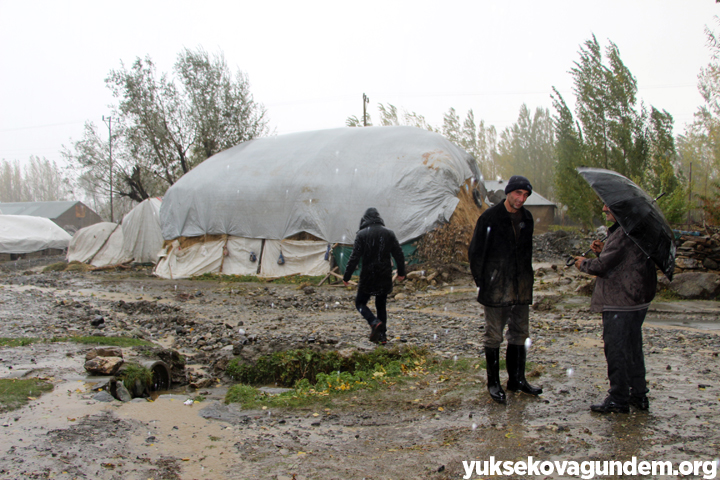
x=16 y=392
x=565 y=228
x=668 y=295
x=132 y=372
x=288 y=280
x=77 y=267
x=369 y=375
x=18 y=342
x=55 y=267
x=317 y=376
x=286 y=368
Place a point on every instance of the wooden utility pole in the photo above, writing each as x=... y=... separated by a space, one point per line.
x=689 y=195
x=366 y=100
x=109 y=124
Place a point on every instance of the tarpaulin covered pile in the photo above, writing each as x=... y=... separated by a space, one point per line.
x=318 y=182
x=137 y=239
x=26 y=234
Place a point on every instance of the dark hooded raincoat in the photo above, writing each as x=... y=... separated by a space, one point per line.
x=376 y=246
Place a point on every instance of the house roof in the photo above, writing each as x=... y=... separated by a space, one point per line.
x=534 y=200
x=49 y=210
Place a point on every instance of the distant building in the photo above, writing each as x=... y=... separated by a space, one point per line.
x=542 y=209
x=68 y=215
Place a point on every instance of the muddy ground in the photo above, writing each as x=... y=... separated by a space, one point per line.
x=424 y=428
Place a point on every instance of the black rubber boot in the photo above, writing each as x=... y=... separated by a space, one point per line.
x=492 y=358
x=515 y=361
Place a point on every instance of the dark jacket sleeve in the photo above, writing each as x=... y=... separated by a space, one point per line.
x=476 y=251
x=354 y=259
x=397 y=254
x=611 y=256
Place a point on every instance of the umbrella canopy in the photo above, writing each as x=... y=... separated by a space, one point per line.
x=637 y=213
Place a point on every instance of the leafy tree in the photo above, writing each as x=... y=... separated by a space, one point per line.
x=451 y=126
x=354 y=121
x=479 y=141
x=711 y=203
x=605 y=106
x=612 y=131
x=660 y=177
x=165 y=126
x=527 y=148
x=222 y=110
x=40 y=181
x=574 y=193
x=487 y=150
x=699 y=147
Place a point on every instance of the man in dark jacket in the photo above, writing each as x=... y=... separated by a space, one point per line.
x=375 y=245
x=500 y=257
x=625 y=286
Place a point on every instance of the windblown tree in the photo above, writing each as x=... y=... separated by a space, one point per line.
x=528 y=148
x=40 y=180
x=612 y=131
x=699 y=146
x=579 y=200
x=165 y=126
x=478 y=140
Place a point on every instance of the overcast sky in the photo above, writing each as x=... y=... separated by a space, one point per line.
x=309 y=62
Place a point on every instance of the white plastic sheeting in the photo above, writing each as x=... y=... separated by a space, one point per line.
x=141 y=231
x=88 y=241
x=112 y=251
x=27 y=234
x=202 y=257
x=138 y=239
x=238 y=261
x=302 y=257
x=232 y=256
x=321 y=182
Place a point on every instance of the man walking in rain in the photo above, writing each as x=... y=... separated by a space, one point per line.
x=625 y=286
x=375 y=245
x=500 y=257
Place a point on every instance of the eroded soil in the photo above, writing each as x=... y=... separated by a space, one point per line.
x=423 y=428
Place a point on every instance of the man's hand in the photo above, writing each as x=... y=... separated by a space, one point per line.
x=596 y=246
x=346 y=283
x=578 y=261
x=400 y=279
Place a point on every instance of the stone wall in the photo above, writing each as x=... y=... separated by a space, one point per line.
x=698 y=253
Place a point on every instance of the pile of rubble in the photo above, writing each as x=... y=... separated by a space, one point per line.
x=552 y=246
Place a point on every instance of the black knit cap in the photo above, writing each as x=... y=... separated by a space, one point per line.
x=518 y=182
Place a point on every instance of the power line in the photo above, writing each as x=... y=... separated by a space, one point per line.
x=31 y=127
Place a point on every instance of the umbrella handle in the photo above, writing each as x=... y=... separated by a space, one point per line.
x=571 y=259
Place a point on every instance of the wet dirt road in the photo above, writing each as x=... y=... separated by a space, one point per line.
x=424 y=428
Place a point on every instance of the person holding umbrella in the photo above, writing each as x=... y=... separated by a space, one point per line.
x=626 y=282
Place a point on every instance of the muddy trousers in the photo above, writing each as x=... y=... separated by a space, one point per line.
x=622 y=334
x=361 y=302
x=515 y=317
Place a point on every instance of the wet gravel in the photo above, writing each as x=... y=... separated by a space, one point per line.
x=423 y=429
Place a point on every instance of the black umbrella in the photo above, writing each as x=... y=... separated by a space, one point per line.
x=637 y=213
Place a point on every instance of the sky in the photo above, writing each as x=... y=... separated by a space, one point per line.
x=309 y=63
